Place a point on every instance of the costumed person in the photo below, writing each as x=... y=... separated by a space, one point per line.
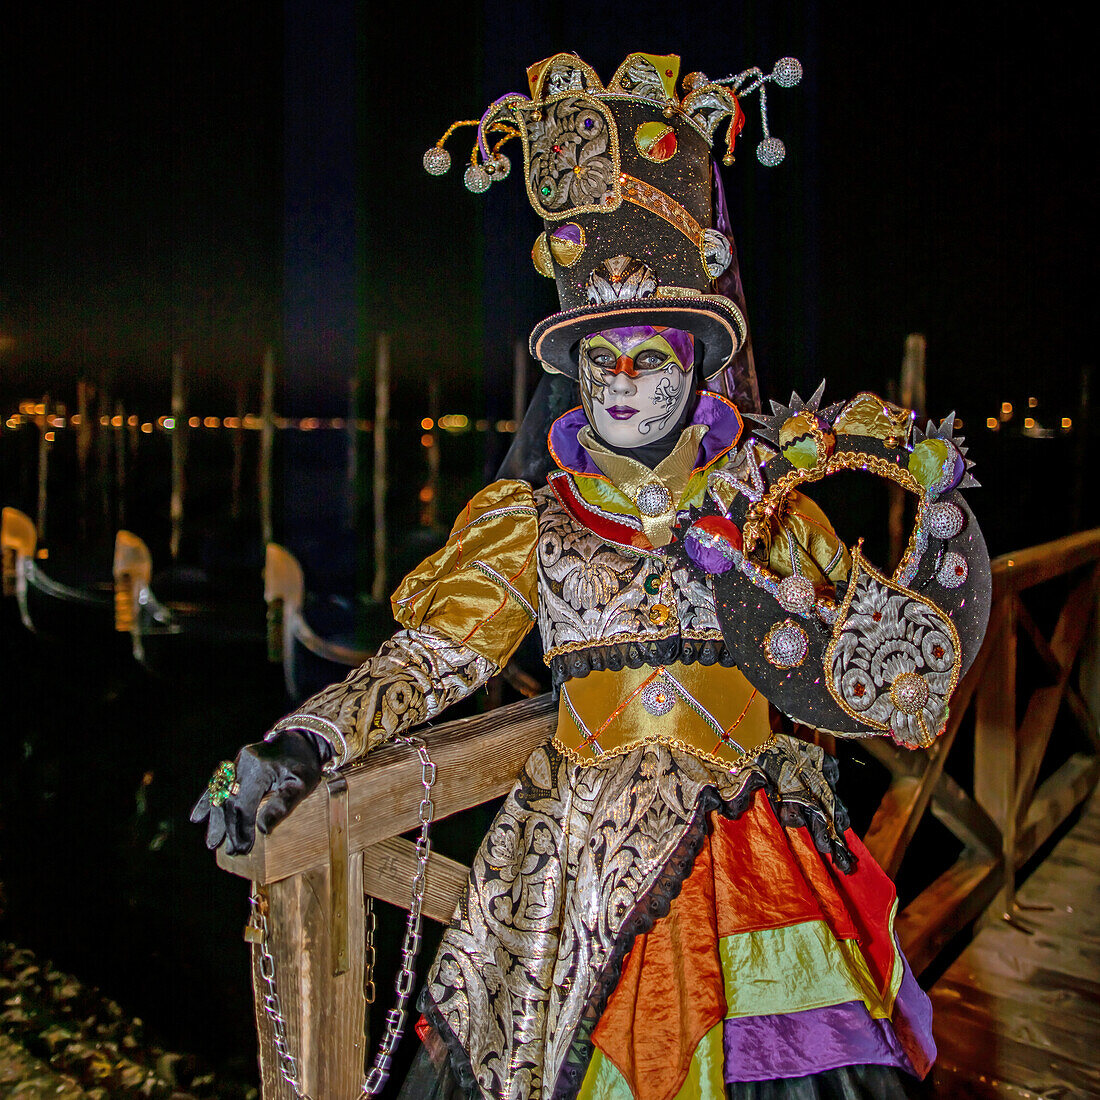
x=671 y=902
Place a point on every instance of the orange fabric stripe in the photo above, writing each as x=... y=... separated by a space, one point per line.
x=670 y=993
x=768 y=876
x=750 y=874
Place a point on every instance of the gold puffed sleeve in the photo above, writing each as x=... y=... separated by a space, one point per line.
x=464 y=611
x=803 y=540
x=481 y=589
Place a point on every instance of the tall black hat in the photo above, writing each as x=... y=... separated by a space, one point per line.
x=622 y=176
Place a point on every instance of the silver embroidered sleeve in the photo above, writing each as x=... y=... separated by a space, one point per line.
x=412 y=678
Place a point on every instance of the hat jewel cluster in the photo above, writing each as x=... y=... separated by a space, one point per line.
x=623 y=178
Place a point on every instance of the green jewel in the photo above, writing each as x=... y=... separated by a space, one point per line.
x=652 y=584
x=546 y=190
x=221 y=782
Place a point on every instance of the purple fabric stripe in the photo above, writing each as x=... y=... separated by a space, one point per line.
x=724 y=424
x=761 y=1048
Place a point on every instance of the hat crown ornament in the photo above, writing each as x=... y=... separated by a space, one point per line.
x=623 y=177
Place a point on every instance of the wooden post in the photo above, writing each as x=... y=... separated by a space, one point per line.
x=325 y=1013
x=429 y=514
x=911 y=396
x=238 y=453
x=179 y=453
x=519 y=382
x=995 y=749
x=379 y=590
x=316 y=923
x=43 y=466
x=267 y=446
x=351 y=477
x=118 y=423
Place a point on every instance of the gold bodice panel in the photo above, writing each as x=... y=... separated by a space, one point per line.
x=712 y=710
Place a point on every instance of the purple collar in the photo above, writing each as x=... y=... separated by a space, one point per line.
x=717 y=412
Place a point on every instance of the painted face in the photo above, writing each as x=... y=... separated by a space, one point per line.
x=635 y=382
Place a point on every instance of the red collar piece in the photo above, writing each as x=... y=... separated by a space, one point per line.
x=613 y=530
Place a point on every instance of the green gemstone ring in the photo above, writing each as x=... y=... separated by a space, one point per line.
x=223 y=783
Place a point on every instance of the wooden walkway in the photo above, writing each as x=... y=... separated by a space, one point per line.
x=1018 y=1015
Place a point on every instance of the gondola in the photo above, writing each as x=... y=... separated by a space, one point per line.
x=183 y=620
x=62 y=597
x=317 y=638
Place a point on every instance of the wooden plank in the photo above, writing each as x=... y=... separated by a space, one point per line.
x=1030 y=1022
x=1026 y=568
x=974 y=984
x=1042 y=709
x=964 y=817
x=985 y=961
x=477 y=759
x=978 y=1044
x=900 y=812
x=1030 y=627
x=952 y=901
x=995 y=745
x=325 y=1014
x=388 y=869
x=957 y=1083
x=1085 y=718
x=1055 y=800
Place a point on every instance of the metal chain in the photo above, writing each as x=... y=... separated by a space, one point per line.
x=410 y=948
x=369 y=991
x=273 y=1007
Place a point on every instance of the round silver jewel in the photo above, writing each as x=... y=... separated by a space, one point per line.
x=654 y=500
x=796 y=593
x=771 y=152
x=953 y=570
x=944 y=520
x=787 y=72
x=436 y=161
x=786 y=645
x=658 y=698
x=909 y=692
x=500 y=166
x=477 y=179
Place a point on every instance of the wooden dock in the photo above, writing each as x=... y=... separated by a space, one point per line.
x=1018 y=1013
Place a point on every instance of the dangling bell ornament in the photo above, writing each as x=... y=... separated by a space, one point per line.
x=787 y=72
x=499 y=167
x=477 y=179
x=437 y=161
x=771 y=152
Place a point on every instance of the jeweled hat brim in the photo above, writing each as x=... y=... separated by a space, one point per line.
x=715 y=321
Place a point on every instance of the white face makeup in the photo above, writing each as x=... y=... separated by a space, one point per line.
x=635 y=382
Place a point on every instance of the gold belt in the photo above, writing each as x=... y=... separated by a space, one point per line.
x=712 y=709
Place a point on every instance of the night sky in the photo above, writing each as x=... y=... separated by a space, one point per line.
x=216 y=177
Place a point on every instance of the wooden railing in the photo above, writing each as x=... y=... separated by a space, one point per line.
x=344 y=841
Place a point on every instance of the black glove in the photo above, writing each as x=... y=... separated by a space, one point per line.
x=288 y=767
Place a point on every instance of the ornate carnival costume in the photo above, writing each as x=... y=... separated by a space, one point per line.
x=670 y=902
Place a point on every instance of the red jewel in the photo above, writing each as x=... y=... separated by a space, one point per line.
x=668 y=72
x=877 y=616
x=937 y=651
x=859 y=690
x=959 y=570
x=557 y=148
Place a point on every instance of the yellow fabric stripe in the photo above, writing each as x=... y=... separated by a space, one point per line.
x=781 y=970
